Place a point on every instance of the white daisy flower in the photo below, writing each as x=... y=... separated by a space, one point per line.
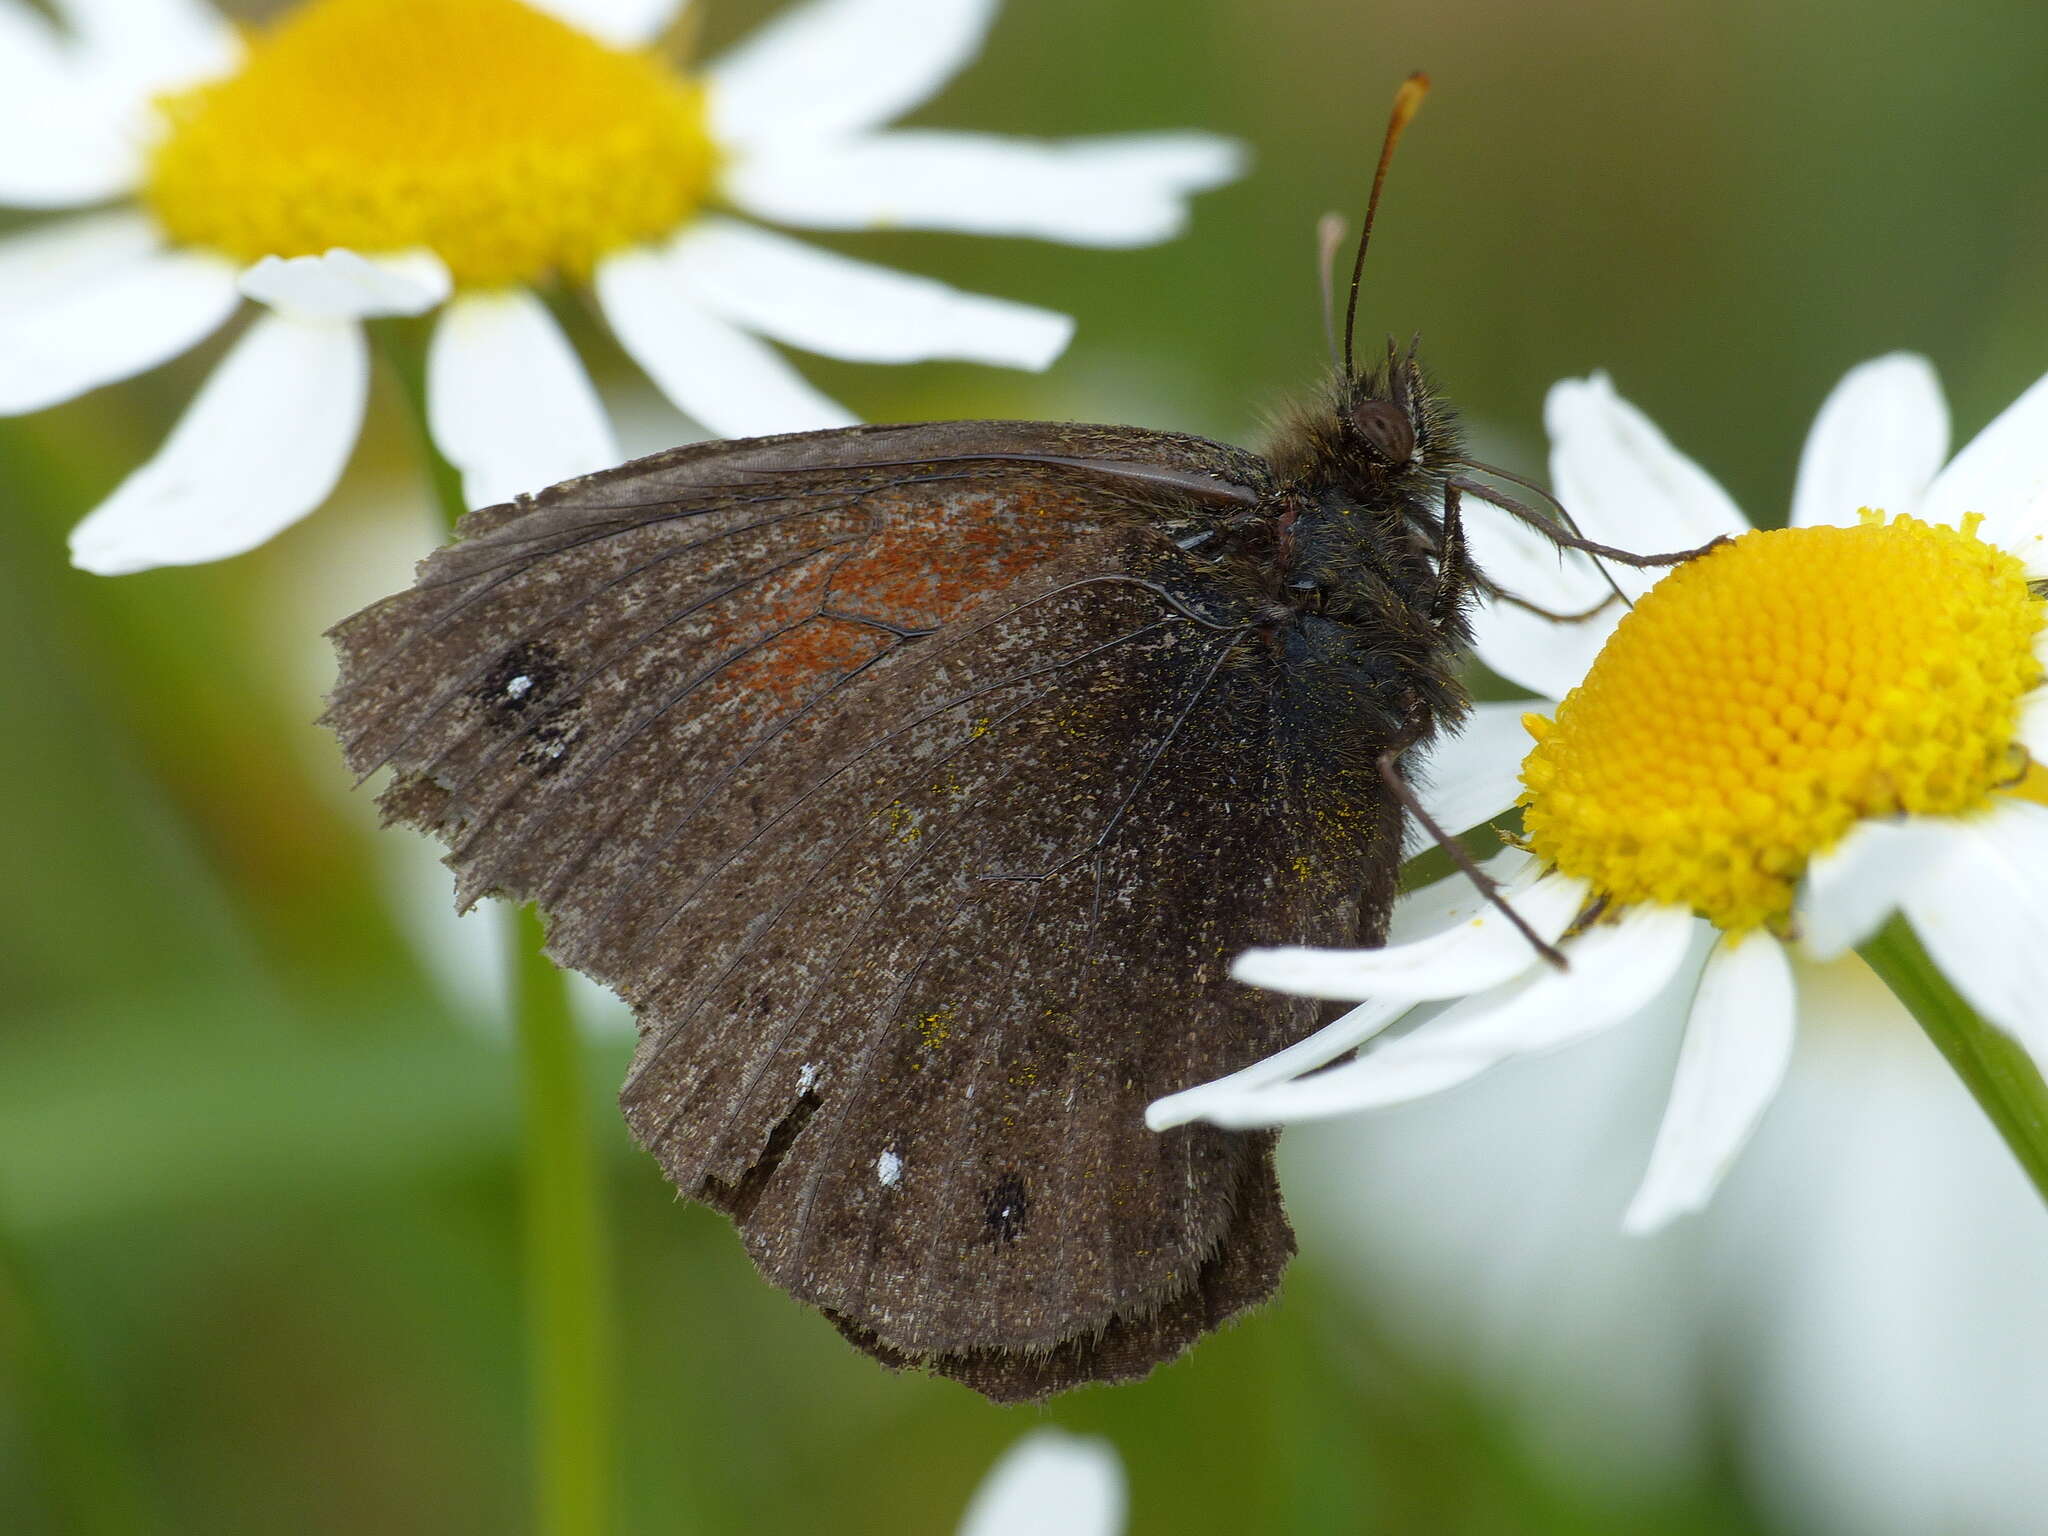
x=365 y=158
x=1050 y=1483
x=1783 y=742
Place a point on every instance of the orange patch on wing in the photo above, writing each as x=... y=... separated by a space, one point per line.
x=762 y=650
x=929 y=562
x=796 y=666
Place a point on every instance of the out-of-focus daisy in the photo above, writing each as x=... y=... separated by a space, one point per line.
x=1782 y=742
x=1853 y=1329
x=1050 y=1483
x=361 y=158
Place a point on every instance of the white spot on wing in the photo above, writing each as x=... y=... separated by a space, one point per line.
x=519 y=687
x=889 y=1169
x=807 y=1078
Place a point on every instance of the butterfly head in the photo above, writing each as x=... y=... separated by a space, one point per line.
x=1382 y=438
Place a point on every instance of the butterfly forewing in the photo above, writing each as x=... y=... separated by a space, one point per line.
x=916 y=786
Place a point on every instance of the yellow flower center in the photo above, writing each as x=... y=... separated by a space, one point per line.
x=507 y=142
x=1764 y=698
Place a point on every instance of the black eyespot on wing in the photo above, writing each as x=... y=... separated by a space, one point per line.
x=521 y=680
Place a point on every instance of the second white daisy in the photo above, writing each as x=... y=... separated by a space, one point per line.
x=1782 y=743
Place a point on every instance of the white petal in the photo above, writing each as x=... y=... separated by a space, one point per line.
x=1738 y=1042
x=2033 y=728
x=1113 y=191
x=1546 y=656
x=833 y=67
x=32 y=51
x=1425 y=911
x=1432 y=908
x=1050 y=1483
x=1473 y=776
x=111 y=324
x=41 y=262
x=507 y=401
x=260 y=446
x=142 y=47
x=1852 y=888
x=733 y=383
x=1983 y=915
x=1616 y=967
x=825 y=302
x=619 y=23
x=1527 y=563
x=1877 y=442
x=1616 y=970
x=2003 y=473
x=1305 y=1055
x=1624 y=483
x=1482 y=951
x=1542 y=655
x=64 y=141
x=342 y=285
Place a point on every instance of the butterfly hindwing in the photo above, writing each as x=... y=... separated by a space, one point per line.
x=916 y=787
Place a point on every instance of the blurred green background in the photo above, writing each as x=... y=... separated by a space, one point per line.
x=258 y=1220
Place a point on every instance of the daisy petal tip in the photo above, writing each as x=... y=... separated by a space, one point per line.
x=1569 y=395
x=1175 y=1109
x=1221 y=1104
x=1737 y=1047
x=1480 y=950
x=1275 y=969
x=1055 y=333
x=1200 y=162
x=98 y=556
x=1647 y=1215
x=122 y=538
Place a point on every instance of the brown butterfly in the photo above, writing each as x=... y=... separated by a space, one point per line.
x=916 y=785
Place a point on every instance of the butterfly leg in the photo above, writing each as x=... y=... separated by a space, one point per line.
x=1404 y=792
x=1501 y=594
x=1455 y=573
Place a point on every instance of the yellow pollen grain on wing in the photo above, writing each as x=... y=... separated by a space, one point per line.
x=1764 y=698
x=512 y=145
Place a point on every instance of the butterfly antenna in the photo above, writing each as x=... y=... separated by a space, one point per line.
x=1329 y=235
x=1407 y=102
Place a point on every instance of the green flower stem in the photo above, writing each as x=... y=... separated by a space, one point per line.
x=568 y=1314
x=1994 y=1066
x=404 y=345
x=569 y=1331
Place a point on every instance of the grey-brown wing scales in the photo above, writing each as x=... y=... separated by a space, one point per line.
x=917 y=812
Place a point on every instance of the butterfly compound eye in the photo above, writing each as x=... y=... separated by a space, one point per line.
x=1387 y=427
